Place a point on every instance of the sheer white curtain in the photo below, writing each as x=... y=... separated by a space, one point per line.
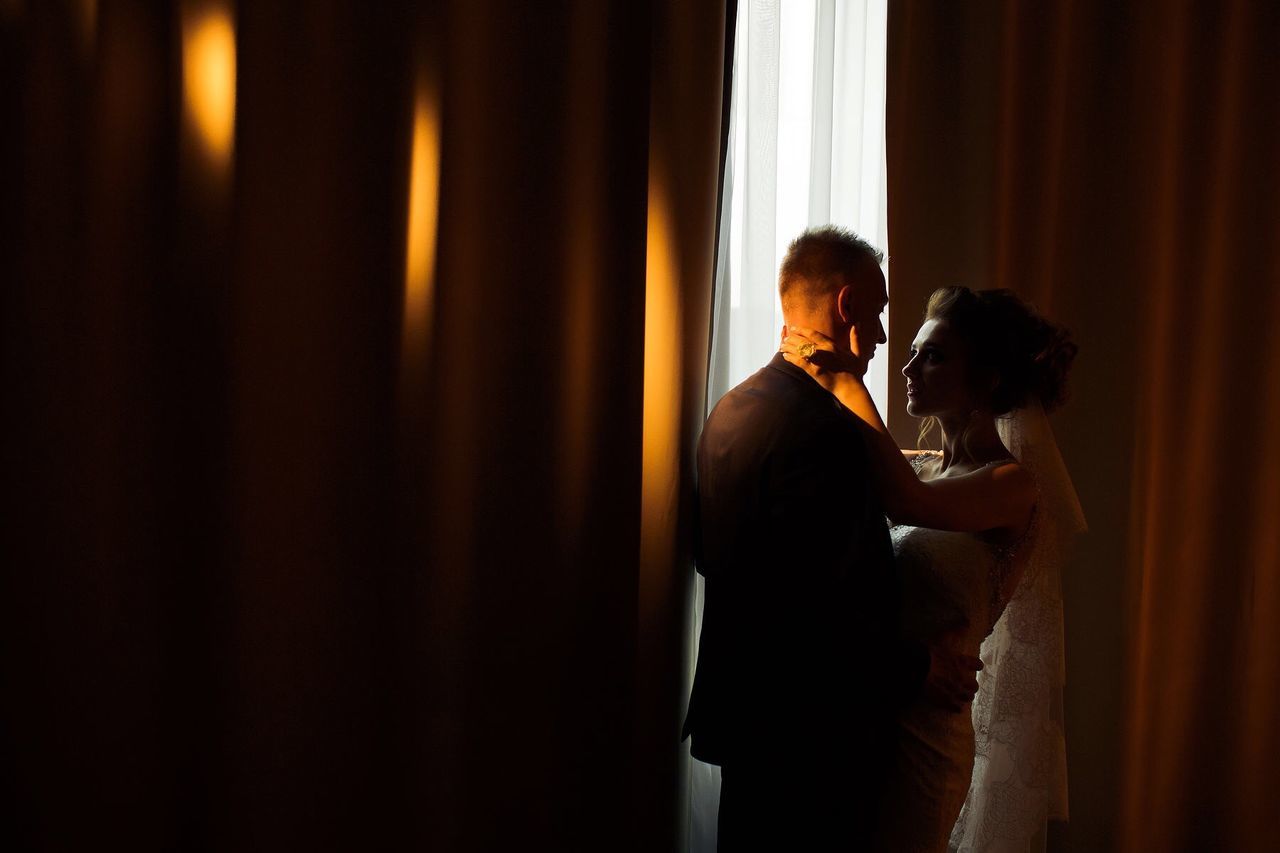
x=806 y=147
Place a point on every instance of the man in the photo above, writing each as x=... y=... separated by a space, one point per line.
x=800 y=665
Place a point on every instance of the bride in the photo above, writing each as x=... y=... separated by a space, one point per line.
x=979 y=532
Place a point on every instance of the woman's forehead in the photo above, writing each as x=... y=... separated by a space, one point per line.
x=934 y=333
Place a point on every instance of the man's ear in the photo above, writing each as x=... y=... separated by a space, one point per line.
x=844 y=304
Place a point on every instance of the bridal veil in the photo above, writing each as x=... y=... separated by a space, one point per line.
x=1019 y=779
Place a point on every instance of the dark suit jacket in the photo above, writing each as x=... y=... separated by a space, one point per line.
x=799 y=659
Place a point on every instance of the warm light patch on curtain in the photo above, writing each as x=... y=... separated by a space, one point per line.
x=585 y=192
x=424 y=201
x=578 y=409
x=662 y=391
x=209 y=78
x=88 y=21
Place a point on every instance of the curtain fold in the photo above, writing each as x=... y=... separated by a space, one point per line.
x=328 y=511
x=1114 y=163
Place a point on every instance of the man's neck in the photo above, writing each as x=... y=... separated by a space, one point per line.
x=819 y=323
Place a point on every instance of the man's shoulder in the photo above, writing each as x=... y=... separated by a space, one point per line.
x=774 y=388
x=775 y=404
x=763 y=401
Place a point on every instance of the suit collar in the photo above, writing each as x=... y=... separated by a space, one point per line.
x=782 y=365
x=806 y=382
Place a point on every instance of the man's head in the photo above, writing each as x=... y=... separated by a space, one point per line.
x=830 y=280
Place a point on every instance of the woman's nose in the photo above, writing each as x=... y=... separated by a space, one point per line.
x=909 y=368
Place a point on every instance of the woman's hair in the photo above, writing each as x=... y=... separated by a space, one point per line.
x=1011 y=345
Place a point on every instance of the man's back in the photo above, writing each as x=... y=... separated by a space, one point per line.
x=800 y=589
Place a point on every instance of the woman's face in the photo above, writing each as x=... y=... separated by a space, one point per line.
x=937 y=372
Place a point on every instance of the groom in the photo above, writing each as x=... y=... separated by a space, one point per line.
x=801 y=668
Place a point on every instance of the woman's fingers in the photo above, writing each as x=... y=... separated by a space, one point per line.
x=811 y=334
x=795 y=340
x=804 y=364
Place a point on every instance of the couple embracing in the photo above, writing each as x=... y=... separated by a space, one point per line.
x=839 y=656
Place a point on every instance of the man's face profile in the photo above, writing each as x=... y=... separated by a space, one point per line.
x=867 y=300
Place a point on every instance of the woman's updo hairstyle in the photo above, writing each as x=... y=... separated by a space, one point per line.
x=1026 y=355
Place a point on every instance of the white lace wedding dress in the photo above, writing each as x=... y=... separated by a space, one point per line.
x=989 y=781
x=948 y=580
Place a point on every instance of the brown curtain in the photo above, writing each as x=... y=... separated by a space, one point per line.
x=345 y=517
x=1116 y=163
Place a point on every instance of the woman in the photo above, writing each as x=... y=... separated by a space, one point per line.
x=979 y=532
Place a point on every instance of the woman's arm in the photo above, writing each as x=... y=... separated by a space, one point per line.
x=994 y=496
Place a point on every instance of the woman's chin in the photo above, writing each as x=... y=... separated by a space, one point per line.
x=918 y=409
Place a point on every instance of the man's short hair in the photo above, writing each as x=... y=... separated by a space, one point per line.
x=818 y=258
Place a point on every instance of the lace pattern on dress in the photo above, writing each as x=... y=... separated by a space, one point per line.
x=1019 y=746
x=1007 y=560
